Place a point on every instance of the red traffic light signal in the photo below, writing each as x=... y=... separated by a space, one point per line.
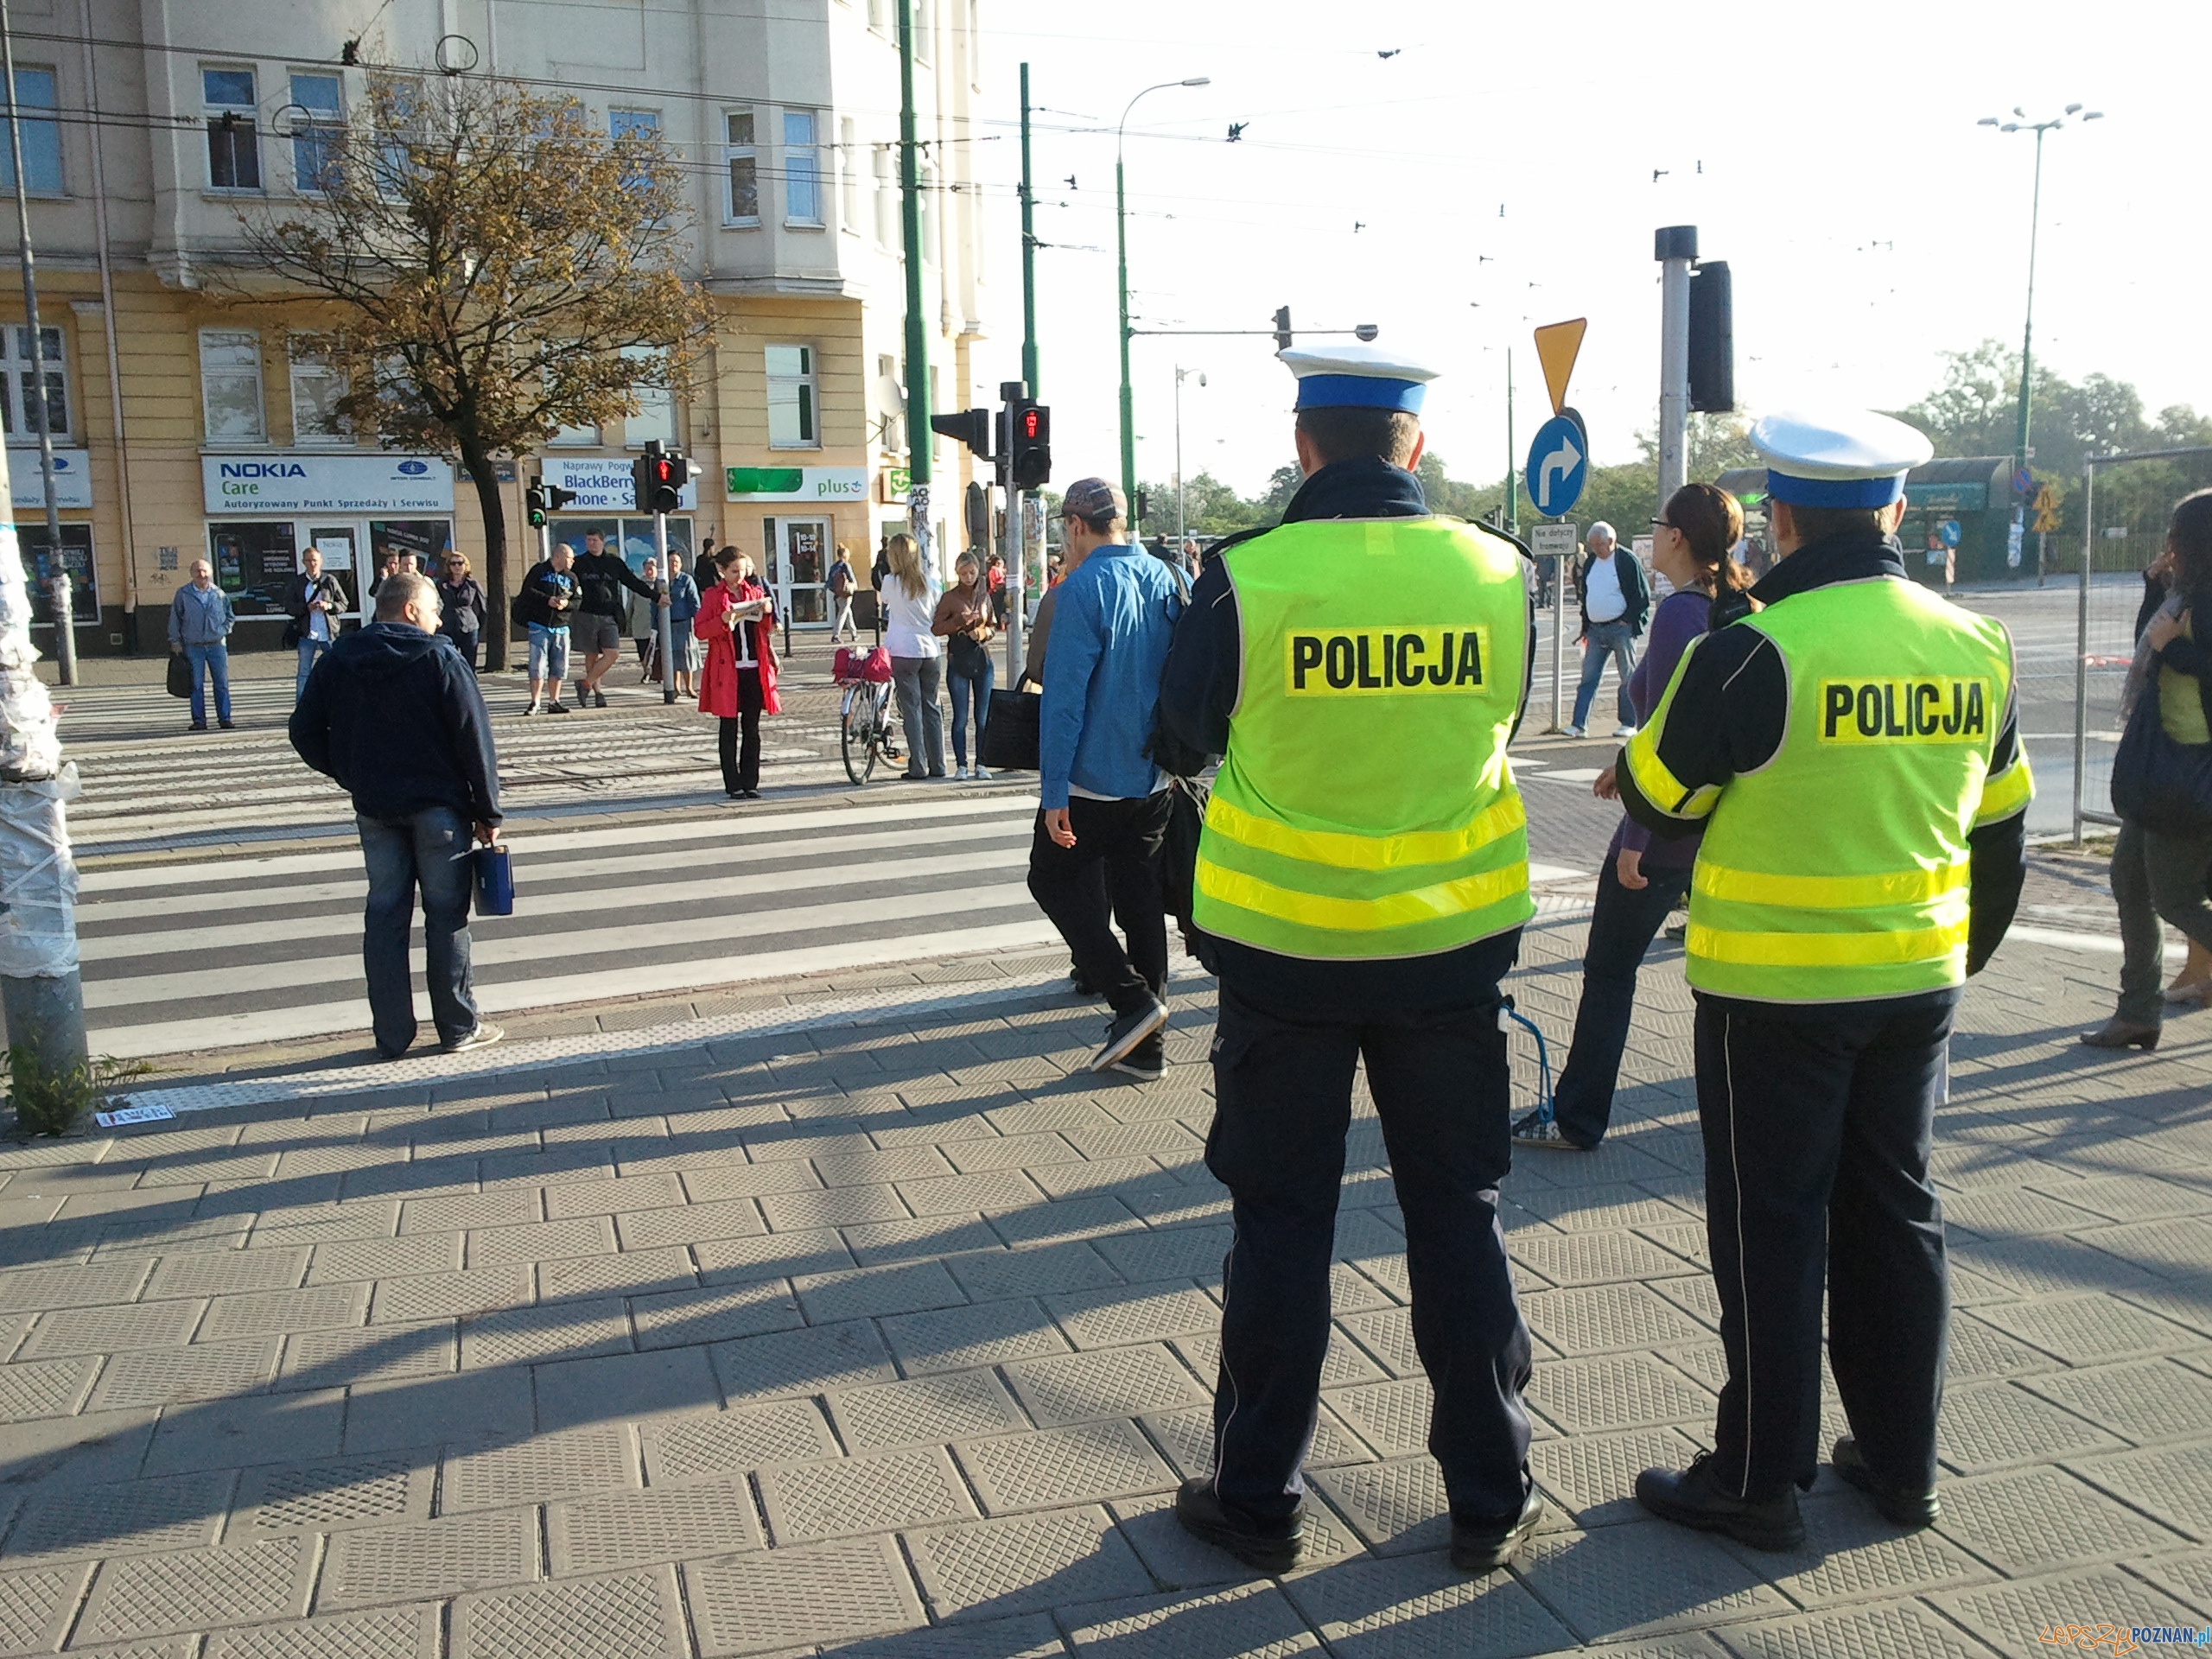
x=1029 y=453
x=656 y=481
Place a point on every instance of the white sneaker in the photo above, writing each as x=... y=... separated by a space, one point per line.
x=1624 y=731
x=979 y=774
x=1570 y=731
x=960 y=774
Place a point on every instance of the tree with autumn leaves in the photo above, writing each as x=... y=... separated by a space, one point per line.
x=490 y=269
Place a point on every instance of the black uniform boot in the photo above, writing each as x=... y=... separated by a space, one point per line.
x=1272 y=1548
x=1898 y=1505
x=1693 y=1498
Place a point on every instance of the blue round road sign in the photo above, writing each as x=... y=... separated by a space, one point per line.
x=1558 y=467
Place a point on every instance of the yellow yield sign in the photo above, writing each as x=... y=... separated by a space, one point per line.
x=1558 y=344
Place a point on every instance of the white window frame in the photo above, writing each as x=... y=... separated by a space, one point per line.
x=312 y=426
x=247 y=128
x=925 y=31
x=656 y=415
x=802 y=168
x=322 y=129
x=232 y=338
x=804 y=395
x=620 y=123
x=879 y=16
x=849 y=175
x=733 y=154
x=46 y=130
x=886 y=196
x=15 y=408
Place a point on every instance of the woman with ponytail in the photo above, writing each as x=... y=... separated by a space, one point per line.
x=1642 y=879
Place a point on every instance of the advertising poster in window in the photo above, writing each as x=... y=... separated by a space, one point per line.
x=631 y=537
x=76 y=558
x=253 y=564
x=426 y=538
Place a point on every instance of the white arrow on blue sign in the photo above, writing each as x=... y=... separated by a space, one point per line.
x=1557 y=466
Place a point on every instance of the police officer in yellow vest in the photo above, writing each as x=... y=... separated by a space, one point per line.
x=1853 y=753
x=1360 y=889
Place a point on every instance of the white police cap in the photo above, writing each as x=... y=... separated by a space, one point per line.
x=1838 y=458
x=1357 y=376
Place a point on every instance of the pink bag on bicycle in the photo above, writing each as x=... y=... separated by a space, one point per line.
x=873 y=666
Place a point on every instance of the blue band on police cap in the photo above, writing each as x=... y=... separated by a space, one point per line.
x=1359 y=392
x=1835 y=492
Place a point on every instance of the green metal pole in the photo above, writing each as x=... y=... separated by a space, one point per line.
x=1512 y=494
x=1028 y=252
x=918 y=435
x=2028 y=333
x=1128 y=397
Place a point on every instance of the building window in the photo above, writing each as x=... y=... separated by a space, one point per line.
x=230 y=386
x=233 y=139
x=643 y=124
x=19 y=406
x=316 y=388
x=656 y=415
x=924 y=30
x=802 y=169
x=886 y=197
x=879 y=14
x=744 y=163
x=34 y=89
x=925 y=187
x=848 y=176
x=791 y=399
x=319 y=136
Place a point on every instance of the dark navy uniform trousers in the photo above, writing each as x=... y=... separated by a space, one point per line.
x=1817 y=1121
x=1289 y=1036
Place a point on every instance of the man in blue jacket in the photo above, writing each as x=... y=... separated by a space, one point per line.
x=394 y=715
x=1102 y=796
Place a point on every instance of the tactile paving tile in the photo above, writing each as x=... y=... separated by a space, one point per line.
x=1100 y=1178
x=987 y=1333
x=2172 y=1483
x=1110 y=1319
x=1620 y=1391
x=2154 y=1399
x=433 y=1295
x=2013 y=1616
x=2006 y=1211
x=992 y=1276
x=1851 y=1554
x=1350 y=1291
x=770 y=1256
x=1685 y=1239
x=2087 y=1330
x=1975 y=1350
x=2046 y=1267
x=896 y=1164
x=869 y=1293
x=328 y=1360
x=1599 y=1209
x=816 y=1360
x=1398 y=1507
x=584 y=1189
x=175 y=1512
x=272 y=1312
x=1593 y=1258
x=578 y=1460
x=672 y=1523
x=1992 y=1425
x=35 y=1607
x=1248 y=1622
x=869 y=1493
x=1063 y=1465
x=715 y=1183
x=949 y=1405
x=387 y=1633
x=320 y=1224
x=563 y=1331
x=1176 y=1253
x=1188 y=1437
x=1646 y=1576
x=384 y=1258
x=689 y=1223
x=1387 y=1333
x=793 y=1597
x=150 y=1595
x=624 y=1616
x=337 y=1492
x=1593 y=1476
x=2036 y=1520
x=160 y=1377
x=2128 y=1198
x=840 y=1206
x=1899 y=1632
x=730 y=1442
x=1419 y=1607
x=1032 y=1561
x=1695 y=1295
x=54 y=1387
x=225 y=1272
x=1392 y=1417
x=508 y=1207
x=1605 y=1318
x=682 y=1317
x=110 y=1330
x=951 y=1195
x=537 y=1241
x=435 y=1558
x=1111 y=1382
x=2175 y=1249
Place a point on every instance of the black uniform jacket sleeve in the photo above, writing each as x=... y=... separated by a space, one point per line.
x=1731 y=709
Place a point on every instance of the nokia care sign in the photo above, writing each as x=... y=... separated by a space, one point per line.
x=290 y=485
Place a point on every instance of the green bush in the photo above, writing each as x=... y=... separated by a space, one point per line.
x=53 y=1102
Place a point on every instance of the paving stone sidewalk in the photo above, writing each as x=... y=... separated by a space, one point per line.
x=894 y=1341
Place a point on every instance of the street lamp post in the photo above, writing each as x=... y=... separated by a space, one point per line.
x=2021 y=123
x=1181 y=373
x=1121 y=235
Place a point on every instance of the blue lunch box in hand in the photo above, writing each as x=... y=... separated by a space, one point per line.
x=495 y=882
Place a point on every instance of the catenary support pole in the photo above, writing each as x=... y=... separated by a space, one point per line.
x=2081 y=642
x=1675 y=248
x=919 y=438
x=664 y=613
x=1028 y=252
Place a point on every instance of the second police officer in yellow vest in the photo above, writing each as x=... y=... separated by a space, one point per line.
x=1360 y=886
x=1852 y=753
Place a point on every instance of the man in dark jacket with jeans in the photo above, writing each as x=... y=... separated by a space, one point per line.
x=394 y=715
x=597 y=630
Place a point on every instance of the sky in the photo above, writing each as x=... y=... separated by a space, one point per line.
x=1496 y=172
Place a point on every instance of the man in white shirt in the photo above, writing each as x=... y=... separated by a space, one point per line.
x=1616 y=601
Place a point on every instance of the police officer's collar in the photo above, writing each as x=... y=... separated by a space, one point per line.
x=1848 y=557
x=1365 y=487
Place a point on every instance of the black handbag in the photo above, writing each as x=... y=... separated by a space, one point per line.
x=179 y=675
x=1009 y=739
x=2164 y=785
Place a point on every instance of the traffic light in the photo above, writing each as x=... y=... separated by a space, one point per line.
x=556 y=497
x=1029 y=447
x=1713 y=340
x=970 y=426
x=1282 y=328
x=534 y=503
x=657 y=480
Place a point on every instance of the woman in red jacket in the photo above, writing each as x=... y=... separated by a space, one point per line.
x=738 y=682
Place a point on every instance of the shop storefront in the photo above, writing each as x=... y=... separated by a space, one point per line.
x=798 y=546
x=606 y=504
x=264 y=511
x=73 y=497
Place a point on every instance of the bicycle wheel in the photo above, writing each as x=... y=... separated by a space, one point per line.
x=857 y=736
x=891 y=750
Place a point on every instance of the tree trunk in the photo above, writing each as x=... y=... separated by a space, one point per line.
x=498 y=628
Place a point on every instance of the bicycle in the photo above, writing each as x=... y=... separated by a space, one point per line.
x=864 y=722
